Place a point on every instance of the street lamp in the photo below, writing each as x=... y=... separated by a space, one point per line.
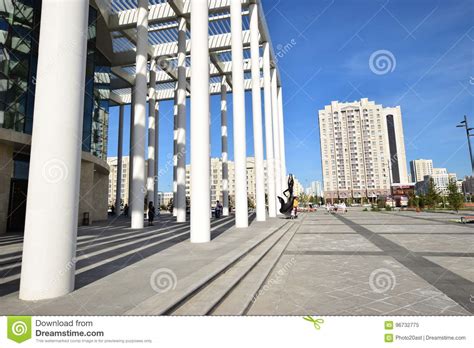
x=464 y=124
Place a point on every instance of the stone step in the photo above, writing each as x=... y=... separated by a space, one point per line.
x=206 y=299
x=168 y=302
x=241 y=297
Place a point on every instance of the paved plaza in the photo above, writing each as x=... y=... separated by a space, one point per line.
x=358 y=263
x=374 y=263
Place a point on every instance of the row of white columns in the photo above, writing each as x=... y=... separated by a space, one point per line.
x=276 y=168
x=49 y=250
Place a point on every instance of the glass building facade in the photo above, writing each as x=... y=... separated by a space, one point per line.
x=19 y=37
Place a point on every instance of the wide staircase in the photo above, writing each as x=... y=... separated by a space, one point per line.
x=233 y=289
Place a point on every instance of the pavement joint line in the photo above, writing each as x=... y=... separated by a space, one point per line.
x=457 y=288
x=432 y=220
x=374 y=253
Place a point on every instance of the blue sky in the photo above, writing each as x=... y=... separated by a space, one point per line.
x=324 y=49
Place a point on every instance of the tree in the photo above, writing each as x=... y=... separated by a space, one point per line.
x=170 y=205
x=455 y=198
x=432 y=196
x=303 y=198
x=381 y=202
x=250 y=203
x=421 y=201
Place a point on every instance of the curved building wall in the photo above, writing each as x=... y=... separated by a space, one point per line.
x=19 y=35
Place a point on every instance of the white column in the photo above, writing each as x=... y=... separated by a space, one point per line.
x=276 y=138
x=139 y=126
x=157 y=152
x=225 y=149
x=118 y=189
x=150 y=184
x=200 y=135
x=49 y=249
x=175 y=149
x=181 y=124
x=257 y=114
x=282 y=138
x=272 y=203
x=240 y=148
x=130 y=153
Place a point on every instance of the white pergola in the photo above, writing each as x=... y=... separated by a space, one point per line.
x=162 y=50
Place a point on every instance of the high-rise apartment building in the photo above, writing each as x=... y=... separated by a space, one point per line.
x=316 y=188
x=112 y=162
x=125 y=184
x=420 y=168
x=362 y=150
x=441 y=178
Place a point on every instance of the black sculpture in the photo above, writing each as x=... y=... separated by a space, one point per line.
x=287 y=207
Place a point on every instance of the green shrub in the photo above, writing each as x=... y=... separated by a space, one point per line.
x=388 y=208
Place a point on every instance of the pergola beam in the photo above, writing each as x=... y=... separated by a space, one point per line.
x=223 y=69
x=217 y=43
x=168 y=93
x=162 y=13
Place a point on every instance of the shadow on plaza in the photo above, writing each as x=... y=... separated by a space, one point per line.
x=104 y=251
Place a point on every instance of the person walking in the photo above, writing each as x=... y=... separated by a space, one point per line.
x=295 y=207
x=151 y=213
x=219 y=209
x=125 y=210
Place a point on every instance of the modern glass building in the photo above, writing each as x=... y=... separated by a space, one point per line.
x=19 y=38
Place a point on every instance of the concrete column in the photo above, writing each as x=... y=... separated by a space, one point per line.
x=272 y=202
x=130 y=153
x=151 y=134
x=175 y=149
x=49 y=249
x=200 y=135
x=282 y=138
x=276 y=138
x=225 y=154
x=240 y=148
x=157 y=152
x=257 y=114
x=181 y=124
x=118 y=190
x=139 y=126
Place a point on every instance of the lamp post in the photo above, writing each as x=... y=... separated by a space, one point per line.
x=464 y=124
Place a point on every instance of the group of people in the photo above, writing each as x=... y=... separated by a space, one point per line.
x=336 y=208
x=125 y=210
x=151 y=212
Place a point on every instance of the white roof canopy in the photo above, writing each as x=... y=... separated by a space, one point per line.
x=121 y=19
